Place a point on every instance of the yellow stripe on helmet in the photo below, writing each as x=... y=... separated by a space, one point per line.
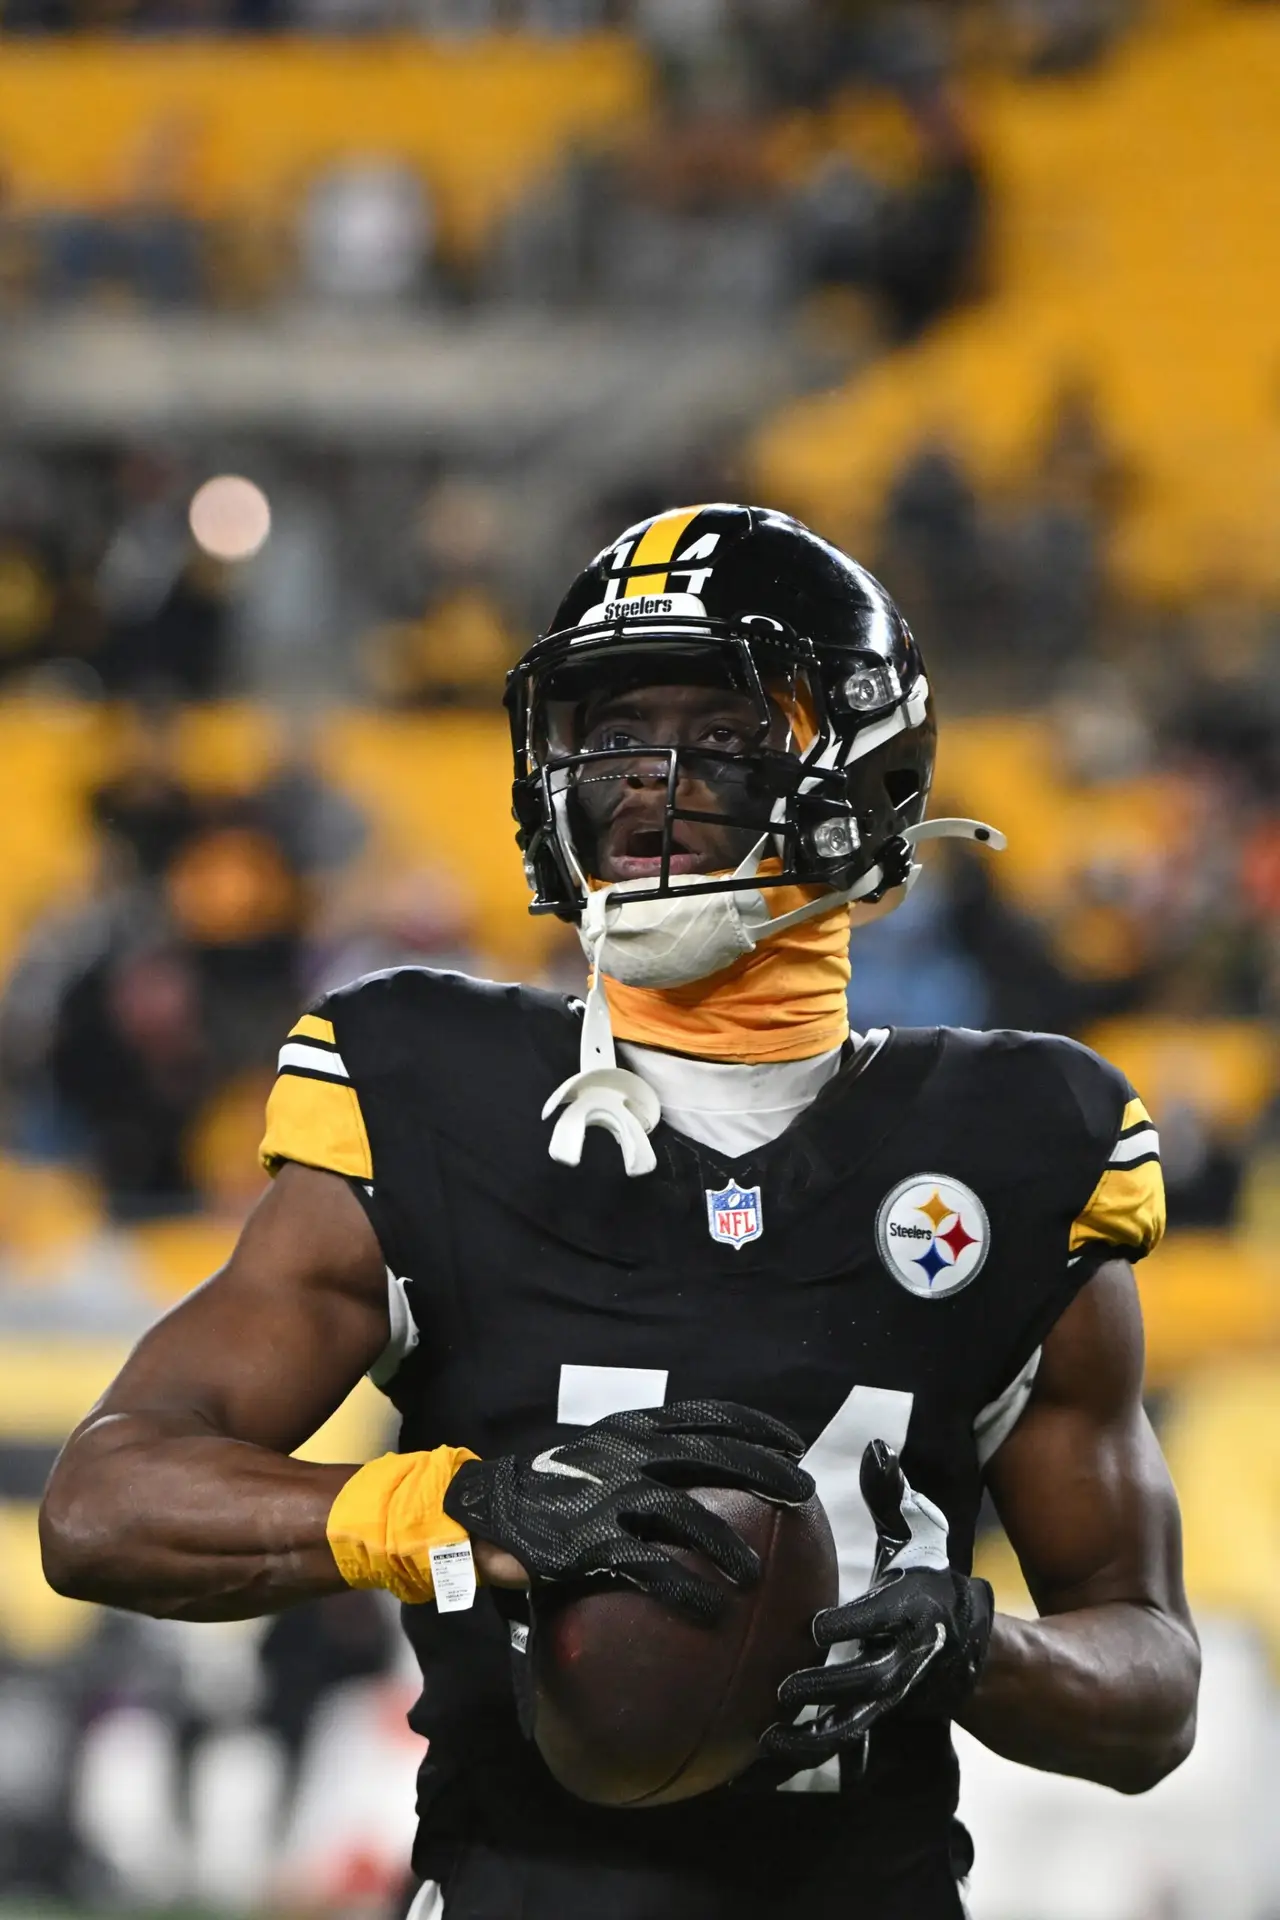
x=656 y=544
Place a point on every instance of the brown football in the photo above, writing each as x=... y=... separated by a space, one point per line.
x=635 y=1706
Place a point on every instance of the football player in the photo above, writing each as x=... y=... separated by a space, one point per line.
x=692 y=1231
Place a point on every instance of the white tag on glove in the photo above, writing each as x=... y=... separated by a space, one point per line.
x=453 y=1569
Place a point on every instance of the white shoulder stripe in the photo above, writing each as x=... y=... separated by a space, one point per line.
x=296 y=1053
x=1134 y=1147
x=1000 y=1416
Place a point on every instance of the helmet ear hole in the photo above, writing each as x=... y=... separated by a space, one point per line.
x=902 y=784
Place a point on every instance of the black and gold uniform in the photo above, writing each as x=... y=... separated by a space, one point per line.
x=887 y=1268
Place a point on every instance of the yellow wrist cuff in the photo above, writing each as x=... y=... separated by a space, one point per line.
x=389 y=1515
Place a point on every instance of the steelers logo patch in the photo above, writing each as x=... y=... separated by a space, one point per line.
x=933 y=1234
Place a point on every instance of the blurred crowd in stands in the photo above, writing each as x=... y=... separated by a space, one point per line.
x=794 y=48
x=167 y=1702
x=135 y=1024
x=719 y=204
x=139 y=1027
x=104 y=593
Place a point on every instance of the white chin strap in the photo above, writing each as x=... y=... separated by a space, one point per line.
x=673 y=949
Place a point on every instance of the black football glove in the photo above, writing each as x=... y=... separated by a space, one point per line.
x=916 y=1639
x=609 y=1500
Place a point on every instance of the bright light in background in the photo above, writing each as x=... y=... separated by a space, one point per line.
x=230 y=517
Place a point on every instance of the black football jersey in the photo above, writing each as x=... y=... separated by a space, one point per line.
x=887 y=1269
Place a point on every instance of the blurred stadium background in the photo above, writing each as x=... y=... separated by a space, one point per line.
x=334 y=334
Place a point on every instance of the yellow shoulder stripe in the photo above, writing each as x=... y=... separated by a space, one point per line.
x=658 y=542
x=1134 y=1112
x=317 y=1122
x=1126 y=1209
x=312 y=1027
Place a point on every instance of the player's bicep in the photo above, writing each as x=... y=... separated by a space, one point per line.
x=272 y=1344
x=1080 y=1483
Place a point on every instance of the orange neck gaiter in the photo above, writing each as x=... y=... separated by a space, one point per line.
x=785 y=1001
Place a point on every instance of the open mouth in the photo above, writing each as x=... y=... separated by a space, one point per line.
x=640 y=855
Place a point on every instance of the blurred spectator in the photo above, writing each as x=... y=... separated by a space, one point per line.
x=162 y=602
x=316 y=827
x=58 y=952
x=28 y=604
x=931 y=234
x=147 y=245
x=955 y=954
x=909 y=968
x=688 y=218
x=146 y=810
x=797 y=56
x=288 y=620
x=1228 y=725
x=460 y=648
x=456 y=655
x=1050 y=540
x=365 y=233
x=240 y=907
x=1061 y=36
x=418 y=918
x=935 y=556
x=909 y=233
x=308 y=1650
x=36 y=614
x=697 y=221
x=131 y=1062
x=1203 y=1168
x=1009 y=586
x=458 y=530
x=547 y=249
x=1029 y=983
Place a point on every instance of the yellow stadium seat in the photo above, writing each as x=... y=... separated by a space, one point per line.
x=229 y=747
x=46 y=1210
x=1226 y=1070
x=1146 y=264
x=437 y=789
x=49 y=756
x=176 y=1255
x=434 y=785
x=363 y=1427
x=1008 y=769
x=1205 y=1295
x=254 y=119
x=35 y=1622
x=1221 y=1437
x=1222 y=1440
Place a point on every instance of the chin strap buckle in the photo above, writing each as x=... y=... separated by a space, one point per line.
x=898 y=866
x=957 y=829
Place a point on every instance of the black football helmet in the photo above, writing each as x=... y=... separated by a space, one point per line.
x=745 y=598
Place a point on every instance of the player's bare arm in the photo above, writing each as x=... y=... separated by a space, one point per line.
x=1104 y=1683
x=176 y=1496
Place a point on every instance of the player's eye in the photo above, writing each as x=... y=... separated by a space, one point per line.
x=612 y=740
x=724 y=735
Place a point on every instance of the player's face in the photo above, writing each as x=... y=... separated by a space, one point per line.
x=625 y=808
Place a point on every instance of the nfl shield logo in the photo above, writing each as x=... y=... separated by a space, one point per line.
x=733 y=1215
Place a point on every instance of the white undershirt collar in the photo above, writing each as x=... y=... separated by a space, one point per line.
x=728 y=1106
